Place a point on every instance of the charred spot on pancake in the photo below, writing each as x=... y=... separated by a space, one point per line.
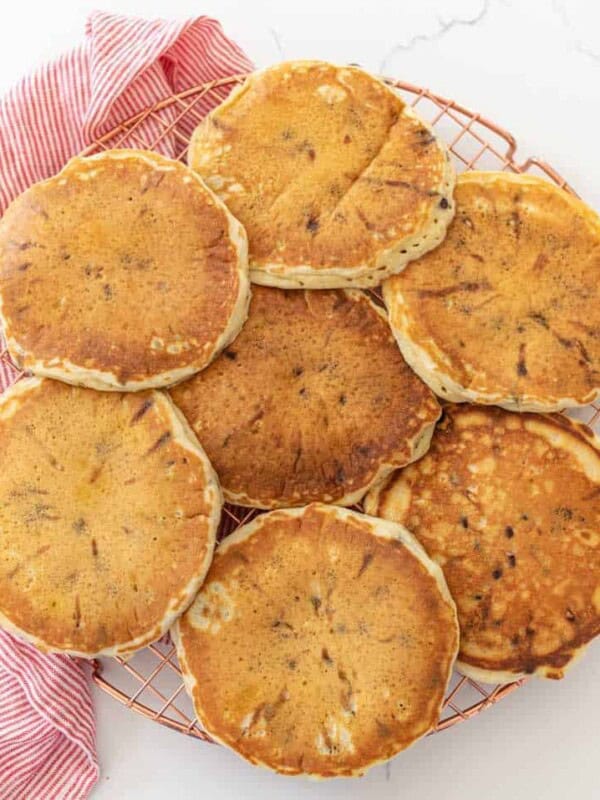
x=464 y=522
x=303 y=391
x=444 y=203
x=94 y=547
x=326 y=657
x=497 y=573
x=347 y=139
x=512 y=559
x=108 y=292
x=230 y=354
x=24 y=267
x=316 y=603
x=509 y=532
x=297 y=371
x=343 y=399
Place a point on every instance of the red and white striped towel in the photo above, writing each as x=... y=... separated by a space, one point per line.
x=47 y=732
x=47 y=741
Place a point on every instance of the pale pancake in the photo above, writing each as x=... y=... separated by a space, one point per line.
x=122 y=272
x=507 y=310
x=336 y=180
x=313 y=401
x=509 y=506
x=321 y=643
x=108 y=515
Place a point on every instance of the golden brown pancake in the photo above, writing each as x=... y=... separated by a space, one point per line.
x=336 y=180
x=509 y=506
x=122 y=272
x=312 y=401
x=507 y=310
x=108 y=514
x=321 y=643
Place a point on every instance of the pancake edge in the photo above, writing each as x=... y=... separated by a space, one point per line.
x=64 y=370
x=431 y=369
x=419 y=445
x=362 y=276
x=184 y=437
x=371 y=504
x=381 y=528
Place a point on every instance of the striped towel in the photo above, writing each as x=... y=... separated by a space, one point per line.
x=47 y=741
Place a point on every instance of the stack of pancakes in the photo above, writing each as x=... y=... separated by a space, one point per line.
x=317 y=639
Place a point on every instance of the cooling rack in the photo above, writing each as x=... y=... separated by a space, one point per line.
x=150 y=682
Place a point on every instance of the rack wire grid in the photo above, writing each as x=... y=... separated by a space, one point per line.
x=150 y=682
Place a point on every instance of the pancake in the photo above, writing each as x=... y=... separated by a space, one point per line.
x=509 y=506
x=312 y=401
x=123 y=272
x=108 y=515
x=336 y=180
x=507 y=310
x=321 y=643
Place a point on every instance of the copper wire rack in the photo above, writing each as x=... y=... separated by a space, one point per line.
x=150 y=681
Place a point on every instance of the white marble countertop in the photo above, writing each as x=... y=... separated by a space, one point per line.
x=534 y=67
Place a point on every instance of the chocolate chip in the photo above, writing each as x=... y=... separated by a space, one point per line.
x=444 y=203
x=143 y=409
x=312 y=224
x=367 y=559
x=160 y=442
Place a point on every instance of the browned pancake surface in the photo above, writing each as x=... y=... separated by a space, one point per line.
x=507 y=309
x=122 y=264
x=509 y=506
x=320 y=643
x=327 y=170
x=310 y=402
x=107 y=517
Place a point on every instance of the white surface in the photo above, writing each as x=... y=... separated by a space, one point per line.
x=534 y=67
